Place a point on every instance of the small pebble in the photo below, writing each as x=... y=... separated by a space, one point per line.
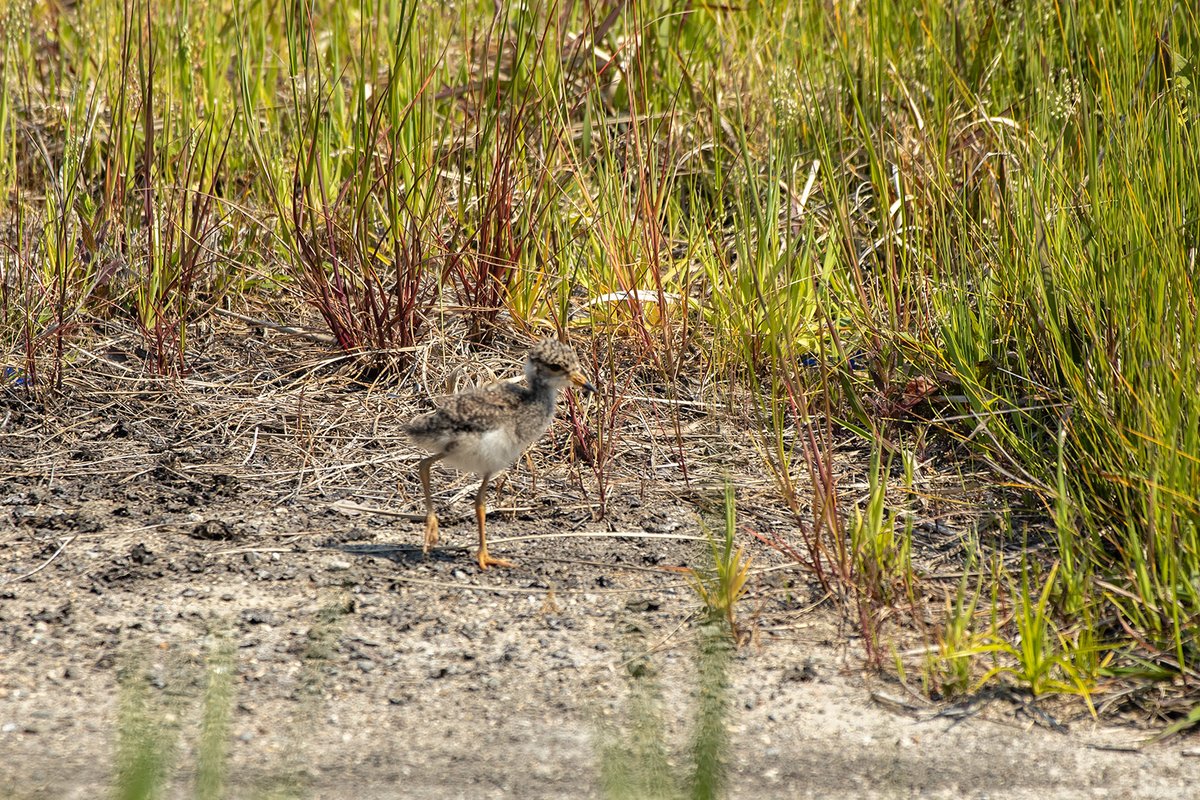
x=338 y=566
x=247 y=736
x=366 y=665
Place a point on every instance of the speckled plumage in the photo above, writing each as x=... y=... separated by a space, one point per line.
x=485 y=430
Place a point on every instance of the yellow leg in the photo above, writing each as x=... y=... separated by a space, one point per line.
x=480 y=514
x=431 y=526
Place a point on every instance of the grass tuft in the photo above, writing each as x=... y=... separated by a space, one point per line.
x=638 y=762
x=725 y=583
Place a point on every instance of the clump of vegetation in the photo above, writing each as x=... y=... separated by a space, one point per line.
x=153 y=714
x=147 y=741
x=722 y=585
x=638 y=763
x=152 y=717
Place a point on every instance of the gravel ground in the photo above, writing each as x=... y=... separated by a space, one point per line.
x=136 y=531
x=445 y=682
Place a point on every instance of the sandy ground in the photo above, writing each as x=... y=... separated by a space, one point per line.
x=138 y=539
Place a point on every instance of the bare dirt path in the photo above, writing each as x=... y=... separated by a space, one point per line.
x=138 y=535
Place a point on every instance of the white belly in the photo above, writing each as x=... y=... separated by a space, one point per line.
x=490 y=453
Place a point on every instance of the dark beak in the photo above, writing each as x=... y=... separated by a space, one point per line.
x=580 y=380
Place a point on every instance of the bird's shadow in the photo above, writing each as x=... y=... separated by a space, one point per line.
x=406 y=555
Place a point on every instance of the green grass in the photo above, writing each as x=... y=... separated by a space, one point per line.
x=148 y=739
x=722 y=585
x=155 y=706
x=216 y=707
x=152 y=716
x=818 y=203
x=636 y=758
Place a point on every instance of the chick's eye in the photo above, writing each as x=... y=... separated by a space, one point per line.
x=555 y=368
